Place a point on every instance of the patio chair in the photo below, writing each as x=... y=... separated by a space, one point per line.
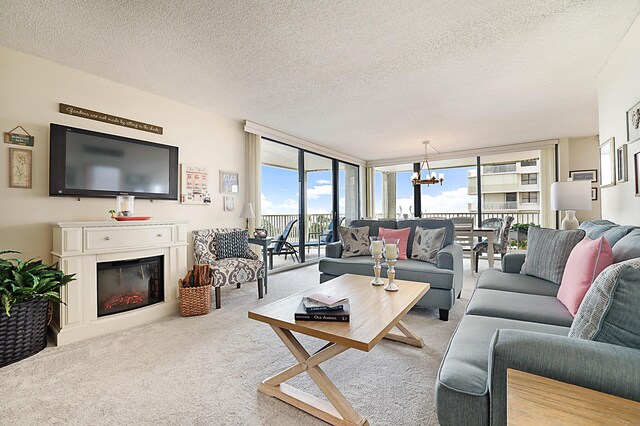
x=464 y=231
x=499 y=246
x=325 y=238
x=230 y=270
x=280 y=246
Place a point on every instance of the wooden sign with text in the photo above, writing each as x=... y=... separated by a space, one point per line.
x=108 y=118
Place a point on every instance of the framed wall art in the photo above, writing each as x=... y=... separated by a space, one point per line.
x=194 y=185
x=622 y=174
x=594 y=194
x=20 y=166
x=229 y=203
x=590 y=175
x=636 y=162
x=607 y=164
x=229 y=182
x=633 y=123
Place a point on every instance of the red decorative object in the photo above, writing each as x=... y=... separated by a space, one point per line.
x=125 y=218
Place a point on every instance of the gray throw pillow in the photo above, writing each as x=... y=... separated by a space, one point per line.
x=232 y=244
x=628 y=247
x=355 y=241
x=609 y=311
x=427 y=243
x=548 y=251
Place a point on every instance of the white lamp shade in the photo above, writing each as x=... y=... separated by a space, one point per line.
x=247 y=211
x=575 y=195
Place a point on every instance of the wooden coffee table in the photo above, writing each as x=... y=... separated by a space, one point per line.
x=374 y=312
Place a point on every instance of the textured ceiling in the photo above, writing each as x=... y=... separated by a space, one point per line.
x=368 y=78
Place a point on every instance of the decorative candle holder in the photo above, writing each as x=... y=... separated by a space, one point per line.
x=391 y=253
x=377 y=248
x=391 y=273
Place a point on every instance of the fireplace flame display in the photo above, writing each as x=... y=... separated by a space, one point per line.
x=130 y=297
x=129 y=284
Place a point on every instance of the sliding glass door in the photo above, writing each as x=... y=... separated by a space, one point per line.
x=319 y=208
x=315 y=192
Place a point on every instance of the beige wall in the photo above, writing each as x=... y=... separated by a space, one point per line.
x=618 y=91
x=580 y=154
x=30 y=90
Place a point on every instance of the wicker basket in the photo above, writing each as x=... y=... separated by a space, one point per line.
x=24 y=333
x=194 y=300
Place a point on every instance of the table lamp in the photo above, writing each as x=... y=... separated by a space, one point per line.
x=247 y=213
x=571 y=196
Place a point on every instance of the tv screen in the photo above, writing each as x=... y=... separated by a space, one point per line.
x=84 y=163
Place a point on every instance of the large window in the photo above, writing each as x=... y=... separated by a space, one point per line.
x=529 y=198
x=509 y=185
x=529 y=178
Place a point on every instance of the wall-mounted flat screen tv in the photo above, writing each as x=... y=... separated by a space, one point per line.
x=83 y=163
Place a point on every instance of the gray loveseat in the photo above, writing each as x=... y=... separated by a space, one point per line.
x=445 y=277
x=515 y=321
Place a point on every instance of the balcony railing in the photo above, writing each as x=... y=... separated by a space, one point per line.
x=502 y=205
x=316 y=224
x=499 y=168
x=319 y=223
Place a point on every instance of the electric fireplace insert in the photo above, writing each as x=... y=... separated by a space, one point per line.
x=130 y=284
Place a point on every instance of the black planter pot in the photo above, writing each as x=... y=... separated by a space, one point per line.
x=24 y=333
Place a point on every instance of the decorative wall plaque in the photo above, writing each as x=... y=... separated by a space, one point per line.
x=18 y=138
x=108 y=118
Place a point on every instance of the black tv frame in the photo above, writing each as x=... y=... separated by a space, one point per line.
x=57 y=166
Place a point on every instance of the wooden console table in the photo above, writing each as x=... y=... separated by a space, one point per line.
x=536 y=400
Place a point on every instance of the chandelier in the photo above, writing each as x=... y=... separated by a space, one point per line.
x=431 y=178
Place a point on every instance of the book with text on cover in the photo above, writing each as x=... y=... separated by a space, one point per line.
x=335 y=316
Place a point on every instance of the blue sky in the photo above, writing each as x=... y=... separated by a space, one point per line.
x=451 y=196
x=280 y=192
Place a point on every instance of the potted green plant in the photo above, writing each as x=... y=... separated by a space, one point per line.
x=26 y=289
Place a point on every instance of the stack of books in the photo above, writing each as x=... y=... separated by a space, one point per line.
x=323 y=307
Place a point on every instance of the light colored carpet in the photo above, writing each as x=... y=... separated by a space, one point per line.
x=205 y=370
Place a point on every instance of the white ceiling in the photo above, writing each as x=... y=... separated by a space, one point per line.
x=368 y=78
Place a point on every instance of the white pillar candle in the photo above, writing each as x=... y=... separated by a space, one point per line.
x=392 y=251
x=376 y=247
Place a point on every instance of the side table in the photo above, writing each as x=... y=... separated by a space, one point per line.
x=264 y=242
x=535 y=400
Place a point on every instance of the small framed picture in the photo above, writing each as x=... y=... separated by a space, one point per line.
x=590 y=175
x=636 y=162
x=607 y=164
x=229 y=203
x=20 y=161
x=622 y=174
x=633 y=123
x=229 y=182
x=594 y=194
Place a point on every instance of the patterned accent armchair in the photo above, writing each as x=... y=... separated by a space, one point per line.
x=500 y=246
x=236 y=270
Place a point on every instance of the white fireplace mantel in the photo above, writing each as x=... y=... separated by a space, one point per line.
x=79 y=246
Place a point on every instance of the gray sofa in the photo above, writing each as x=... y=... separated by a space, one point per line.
x=445 y=277
x=515 y=321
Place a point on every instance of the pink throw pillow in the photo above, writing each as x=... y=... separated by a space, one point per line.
x=587 y=259
x=401 y=234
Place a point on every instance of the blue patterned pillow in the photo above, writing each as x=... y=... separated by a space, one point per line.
x=232 y=244
x=609 y=311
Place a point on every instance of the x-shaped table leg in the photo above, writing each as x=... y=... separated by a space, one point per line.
x=407 y=336
x=338 y=410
